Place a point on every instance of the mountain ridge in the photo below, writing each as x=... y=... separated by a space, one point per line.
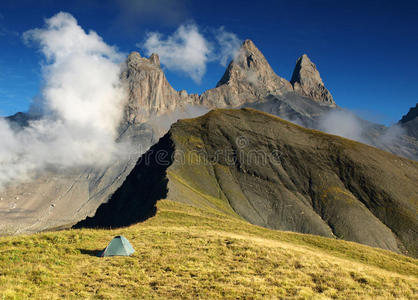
x=304 y=181
x=250 y=78
x=410 y=122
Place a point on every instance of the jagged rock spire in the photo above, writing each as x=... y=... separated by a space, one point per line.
x=248 y=78
x=155 y=59
x=149 y=93
x=251 y=67
x=307 y=81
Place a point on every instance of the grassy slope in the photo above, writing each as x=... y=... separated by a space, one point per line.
x=346 y=176
x=185 y=252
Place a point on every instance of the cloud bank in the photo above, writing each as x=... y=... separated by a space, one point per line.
x=229 y=45
x=80 y=106
x=347 y=124
x=188 y=51
x=343 y=123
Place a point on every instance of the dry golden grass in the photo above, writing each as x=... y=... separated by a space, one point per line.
x=189 y=253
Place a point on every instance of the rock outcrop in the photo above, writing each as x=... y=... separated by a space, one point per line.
x=410 y=122
x=150 y=94
x=307 y=82
x=248 y=78
x=276 y=174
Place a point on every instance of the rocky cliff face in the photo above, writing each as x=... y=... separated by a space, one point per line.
x=410 y=122
x=249 y=81
x=248 y=78
x=150 y=94
x=307 y=82
x=276 y=174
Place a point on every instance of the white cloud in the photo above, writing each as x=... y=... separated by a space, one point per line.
x=343 y=123
x=81 y=104
x=346 y=124
x=62 y=37
x=187 y=50
x=229 y=45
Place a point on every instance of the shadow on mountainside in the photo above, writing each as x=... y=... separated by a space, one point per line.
x=136 y=199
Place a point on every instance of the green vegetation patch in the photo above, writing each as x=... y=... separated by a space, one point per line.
x=187 y=252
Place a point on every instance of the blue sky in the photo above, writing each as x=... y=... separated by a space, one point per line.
x=366 y=51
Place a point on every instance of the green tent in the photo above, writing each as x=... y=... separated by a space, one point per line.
x=119 y=246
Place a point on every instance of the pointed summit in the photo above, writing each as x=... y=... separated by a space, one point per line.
x=149 y=92
x=251 y=67
x=155 y=59
x=135 y=61
x=248 y=78
x=248 y=44
x=307 y=82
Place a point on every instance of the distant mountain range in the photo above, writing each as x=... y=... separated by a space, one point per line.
x=56 y=199
x=249 y=81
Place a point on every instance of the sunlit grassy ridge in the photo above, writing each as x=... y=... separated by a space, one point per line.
x=185 y=252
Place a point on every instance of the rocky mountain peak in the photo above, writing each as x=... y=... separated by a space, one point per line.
x=155 y=59
x=251 y=67
x=410 y=122
x=149 y=93
x=249 y=57
x=248 y=78
x=307 y=81
x=136 y=62
x=249 y=45
x=411 y=115
x=134 y=55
